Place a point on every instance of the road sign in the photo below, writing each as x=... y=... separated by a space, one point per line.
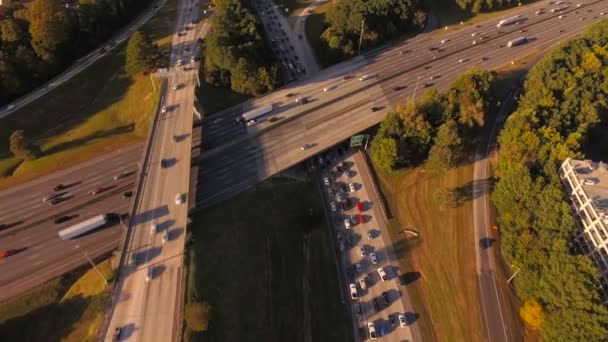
x=357 y=140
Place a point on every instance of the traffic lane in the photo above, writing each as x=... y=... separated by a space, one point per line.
x=425 y=56
x=27 y=201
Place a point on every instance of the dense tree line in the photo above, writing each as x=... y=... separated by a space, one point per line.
x=384 y=19
x=38 y=41
x=565 y=95
x=236 y=54
x=476 y=6
x=436 y=127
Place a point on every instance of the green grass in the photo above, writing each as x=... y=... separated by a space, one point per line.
x=445 y=294
x=53 y=312
x=315 y=25
x=97 y=111
x=264 y=263
x=214 y=99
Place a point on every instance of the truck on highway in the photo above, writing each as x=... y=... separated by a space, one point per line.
x=84 y=227
x=517 y=41
x=254 y=114
x=508 y=21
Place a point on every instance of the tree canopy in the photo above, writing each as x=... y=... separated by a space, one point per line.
x=236 y=54
x=142 y=54
x=564 y=97
x=38 y=41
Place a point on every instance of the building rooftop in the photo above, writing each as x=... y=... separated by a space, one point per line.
x=593 y=177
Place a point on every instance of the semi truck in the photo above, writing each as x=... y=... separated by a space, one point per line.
x=517 y=41
x=254 y=114
x=509 y=21
x=84 y=227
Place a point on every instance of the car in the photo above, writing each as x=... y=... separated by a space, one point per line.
x=561 y=16
x=474 y=42
x=402 y=321
x=163 y=110
x=330 y=192
x=371 y=329
x=332 y=205
x=443 y=41
x=363 y=77
x=370 y=235
x=326 y=89
x=351 y=187
x=353 y=291
x=473 y=34
x=178 y=86
x=149 y=274
x=538 y=12
x=363 y=283
x=192 y=59
x=165 y=236
x=121 y=175
x=50 y=197
x=290 y=95
x=375 y=109
x=397 y=88
x=127 y=194
x=164 y=162
x=362 y=251
x=55 y=200
x=426 y=85
x=326 y=180
x=305 y=147
x=96 y=191
x=116 y=334
x=359 y=206
x=347 y=77
x=382 y=274
x=252 y=122
x=462 y=60
x=590 y=181
x=59 y=187
x=62 y=219
x=347 y=223
x=153 y=228
x=340 y=197
x=361 y=219
x=579 y=5
x=386 y=299
x=373 y=258
x=301 y=100
x=358 y=267
x=377 y=304
x=180 y=61
x=179 y=198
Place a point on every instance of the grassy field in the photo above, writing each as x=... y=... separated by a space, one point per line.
x=441 y=262
x=68 y=308
x=97 y=111
x=266 y=267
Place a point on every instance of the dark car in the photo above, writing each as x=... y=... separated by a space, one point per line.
x=375 y=109
x=62 y=219
x=397 y=88
x=377 y=305
x=426 y=85
x=347 y=77
x=116 y=334
x=55 y=200
x=164 y=162
x=127 y=194
x=386 y=299
x=59 y=187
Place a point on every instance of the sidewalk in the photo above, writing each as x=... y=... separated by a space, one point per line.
x=379 y=212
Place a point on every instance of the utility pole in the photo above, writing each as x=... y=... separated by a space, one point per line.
x=366 y=141
x=514 y=274
x=416 y=87
x=361 y=36
x=92 y=264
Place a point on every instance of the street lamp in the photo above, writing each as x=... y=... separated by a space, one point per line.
x=514 y=274
x=92 y=264
x=415 y=88
x=361 y=36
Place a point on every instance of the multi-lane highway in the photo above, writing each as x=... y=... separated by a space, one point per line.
x=83 y=62
x=240 y=156
x=148 y=297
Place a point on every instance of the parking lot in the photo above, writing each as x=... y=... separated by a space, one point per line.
x=370 y=275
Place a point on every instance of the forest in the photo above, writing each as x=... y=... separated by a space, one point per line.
x=564 y=97
x=38 y=41
x=236 y=54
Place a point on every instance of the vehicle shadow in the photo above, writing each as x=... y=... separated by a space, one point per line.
x=150 y=215
x=175 y=233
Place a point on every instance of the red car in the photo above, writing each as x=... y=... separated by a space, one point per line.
x=4 y=254
x=361 y=219
x=360 y=206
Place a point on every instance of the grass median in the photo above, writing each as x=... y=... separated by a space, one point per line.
x=265 y=265
x=68 y=308
x=99 y=110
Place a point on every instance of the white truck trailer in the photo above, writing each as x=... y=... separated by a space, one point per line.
x=84 y=227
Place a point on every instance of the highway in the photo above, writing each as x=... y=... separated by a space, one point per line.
x=148 y=298
x=238 y=157
x=84 y=62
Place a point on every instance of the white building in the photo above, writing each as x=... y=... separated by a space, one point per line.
x=586 y=183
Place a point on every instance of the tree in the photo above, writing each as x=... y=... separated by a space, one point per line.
x=384 y=153
x=142 y=54
x=48 y=28
x=197 y=316
x=446 y=148
x=20 y=148
x=532 y=313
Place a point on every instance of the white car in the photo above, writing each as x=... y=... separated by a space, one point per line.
x=180 y=62
x=443 y=41
x=163 y=110
x=326 y=181
x=347 y=223
x=149 y=274
x=473 y=34
x=353 y=291
x=363 y=283
x=373 y=258
x=326 y=89
x=332 y=205
x=154 y=228
x=370 y=235
x=462 y=60
x=177 y=86
x=590 y=181
x=402 y=321
x=165 y=236
x=363 y=77
x=305 y=147
x=252 y=122
x=351 y=187
x=362 y=251
x=372 y=331
x=179 y=199
x=382 y=274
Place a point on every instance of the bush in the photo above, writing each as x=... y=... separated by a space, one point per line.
x=197 y=316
